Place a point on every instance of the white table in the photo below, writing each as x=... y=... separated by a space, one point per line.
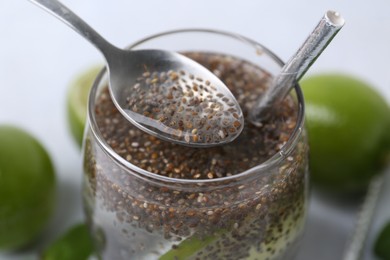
x=39 y=56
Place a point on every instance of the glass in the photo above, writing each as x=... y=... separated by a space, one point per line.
x=256 y=213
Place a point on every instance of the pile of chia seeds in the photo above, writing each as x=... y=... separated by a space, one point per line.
x=139 y=215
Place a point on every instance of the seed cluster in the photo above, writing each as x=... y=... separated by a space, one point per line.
x=185 y=107
x=240 y=218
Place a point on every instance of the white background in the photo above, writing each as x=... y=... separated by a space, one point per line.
x=39 y=56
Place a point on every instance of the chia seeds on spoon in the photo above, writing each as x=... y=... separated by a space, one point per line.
x=185 y=107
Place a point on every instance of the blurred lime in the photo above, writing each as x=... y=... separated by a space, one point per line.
x=348 y=126
x=27 y=187
x=75 y=244
x=382 y=243
x=77 y=101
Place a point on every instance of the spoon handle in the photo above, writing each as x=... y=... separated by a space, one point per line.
x=299 y=63
x=64 y=14
x=312 y=48
x=358 y=239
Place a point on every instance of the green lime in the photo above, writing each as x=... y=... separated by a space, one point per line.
x=75 y=244
x=77 y=101
x=27 y=187
x=382 y=243
x=348 y=125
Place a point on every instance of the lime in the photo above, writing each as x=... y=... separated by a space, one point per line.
x=77 y=101
x=75 y=244
x=348 y=125
x=27 y=187
x=382 y=243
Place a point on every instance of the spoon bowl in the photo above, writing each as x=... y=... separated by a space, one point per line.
x=163 y=93
x=164 y=96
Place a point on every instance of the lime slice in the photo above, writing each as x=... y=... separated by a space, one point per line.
x=75 y=244
x=217 y=245
x=187 y=248
x=348 y=126
x=77 y=101
x=27 y=187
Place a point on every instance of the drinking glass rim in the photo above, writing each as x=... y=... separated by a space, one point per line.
x=258 y=169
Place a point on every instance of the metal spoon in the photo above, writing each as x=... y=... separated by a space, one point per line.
x=163 y=93
x=296 y=67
